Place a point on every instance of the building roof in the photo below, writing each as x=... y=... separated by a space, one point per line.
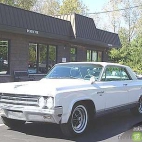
x=109 y=38
x=74 y=27
x=23 y=21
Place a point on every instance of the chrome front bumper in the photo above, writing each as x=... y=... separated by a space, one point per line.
x=32 y=114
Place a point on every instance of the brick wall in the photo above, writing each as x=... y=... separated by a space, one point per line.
x=19 y=52
x=81 y=54
x=63 y=52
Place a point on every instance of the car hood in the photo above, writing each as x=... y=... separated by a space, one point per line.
x=44 y=87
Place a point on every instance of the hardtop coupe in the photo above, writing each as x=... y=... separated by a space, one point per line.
x=72 y=95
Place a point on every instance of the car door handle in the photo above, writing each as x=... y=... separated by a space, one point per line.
x=100 y=92
x=125 y=84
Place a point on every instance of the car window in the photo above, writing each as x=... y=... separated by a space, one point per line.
x=113 y=73
x=83 y=71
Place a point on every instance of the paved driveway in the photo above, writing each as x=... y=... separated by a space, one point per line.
x=110 y=128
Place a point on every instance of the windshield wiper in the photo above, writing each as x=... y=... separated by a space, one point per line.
x=54 y=77
x=71 y=77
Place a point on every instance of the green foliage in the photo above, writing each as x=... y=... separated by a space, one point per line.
x=124 y=37
x=3 y=50
x=8 y=2
x=24 y=4
x=131 y=36
x=32 y=53
x=72 y=6
x=42 y=53
x=50 y=7
x=130 y=55
x=52 y=51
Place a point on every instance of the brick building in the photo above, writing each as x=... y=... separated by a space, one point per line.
x=35 y=42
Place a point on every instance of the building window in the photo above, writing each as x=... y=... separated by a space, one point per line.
x=94 y=56
x=100 y=55
x=32 y=58
x=52 y=56
x=41 y=57
x=4 y=60
x=73 y=54
x=89 y=55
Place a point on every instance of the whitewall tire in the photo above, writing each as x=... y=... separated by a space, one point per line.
x=77 y=122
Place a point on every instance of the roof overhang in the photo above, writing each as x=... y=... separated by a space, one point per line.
x=95 y=43
x=32 y=32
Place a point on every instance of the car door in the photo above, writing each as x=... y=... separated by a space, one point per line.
x=134 y=88
x=97 y=94
x=114 y=87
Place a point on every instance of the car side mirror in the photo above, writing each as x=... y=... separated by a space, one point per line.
x=92 y=80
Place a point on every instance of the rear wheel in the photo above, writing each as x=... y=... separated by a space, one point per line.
x=12 y=123
x=137 y=110
x=77 y=122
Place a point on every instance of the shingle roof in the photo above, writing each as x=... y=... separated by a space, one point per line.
x=74 y=27
x=85 y=31
x=85 y=28
x=111 y=39
x=19 y=18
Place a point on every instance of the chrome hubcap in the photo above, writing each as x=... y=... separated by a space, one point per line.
x=140 y=107
x=79 y=119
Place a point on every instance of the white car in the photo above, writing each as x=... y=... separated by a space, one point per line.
x=72 y=95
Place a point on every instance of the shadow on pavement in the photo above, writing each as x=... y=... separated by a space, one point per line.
x=101 y=129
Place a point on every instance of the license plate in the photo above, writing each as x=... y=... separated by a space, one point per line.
x=15 y=115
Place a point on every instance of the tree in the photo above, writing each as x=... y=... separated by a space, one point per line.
x=50 y=7
x=123 y=35
x=130 y=35
x=113 y=18
x=137 y=54
x=115 y=55
x=72 y=6
x=130 y=16
x=129 y=55
x=139 y=26
x=8 y=2
x=24 y=4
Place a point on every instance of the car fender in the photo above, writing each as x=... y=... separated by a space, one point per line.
x=67 y=113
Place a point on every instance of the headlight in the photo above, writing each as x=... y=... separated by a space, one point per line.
x=50 y=102
x=41 y=102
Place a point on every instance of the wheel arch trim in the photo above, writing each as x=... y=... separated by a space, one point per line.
x=69 y=110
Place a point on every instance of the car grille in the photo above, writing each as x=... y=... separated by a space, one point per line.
x=16 y=99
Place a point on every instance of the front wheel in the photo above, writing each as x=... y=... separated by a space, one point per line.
x=11 y=123
x=77 y=122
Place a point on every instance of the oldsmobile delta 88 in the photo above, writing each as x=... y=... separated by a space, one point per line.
x=71 y=95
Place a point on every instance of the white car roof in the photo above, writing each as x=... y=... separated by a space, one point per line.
x=99 y=63
x=104 y=64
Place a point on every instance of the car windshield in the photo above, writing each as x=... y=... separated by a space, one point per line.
x=76 y=71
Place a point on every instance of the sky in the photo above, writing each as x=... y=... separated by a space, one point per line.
x=94 y=5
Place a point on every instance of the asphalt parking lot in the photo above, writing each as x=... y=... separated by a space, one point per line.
x=111 y=128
